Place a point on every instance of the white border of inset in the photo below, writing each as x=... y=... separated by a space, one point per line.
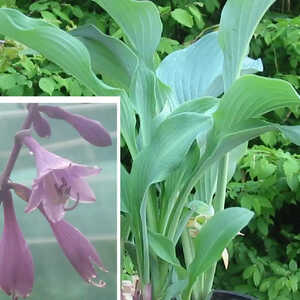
x=88 y=100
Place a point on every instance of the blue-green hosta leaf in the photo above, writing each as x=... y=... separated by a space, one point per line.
x=170 y=143
x=205 y=105
x=55 y=44
x=142 y=95
x=213 y=237
x=236 y=120
x=124 y=190
x=173 y=184
x=109 y=56
x=252 y=96
x=196 y=71
x=154 y=163
x=235 y=156
x=238 y=21
x=128 y=123
x=140 y=21
x=207 y=184
x=206 y=187
x=175 y=289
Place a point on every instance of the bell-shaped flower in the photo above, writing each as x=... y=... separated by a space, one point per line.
x=16 y=265
x=91 y=130
x=76 y=247
x=58 y=180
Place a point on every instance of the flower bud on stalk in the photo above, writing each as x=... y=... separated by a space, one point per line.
x=16 y=265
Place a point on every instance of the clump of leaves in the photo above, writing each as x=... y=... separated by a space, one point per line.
x=265 y=262
x=262 y=276
x=277 y=40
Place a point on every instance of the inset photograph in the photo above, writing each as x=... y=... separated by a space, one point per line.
x=58 y=190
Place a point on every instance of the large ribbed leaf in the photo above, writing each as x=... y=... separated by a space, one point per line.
x=196 y=71
x=252 y=96
x=236 y=120
x=141 y=23
x=238 y=21
x=55 y=44
x=109 y=56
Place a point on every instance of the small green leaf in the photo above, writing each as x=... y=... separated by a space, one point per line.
x=246 y=201
x=272 y=292
x=47 y=85
x=163 y=248
x=37 y=6
x=269 y=138
x=167 y=45
x=77 y=11
x=182 y=17
x=291 y=169
x=264 y=169
x=280 y=283
x=265 y=285
x=197 y=16
x=75 y=88
x=50 y=17
x=256 y=277
x=278 y=270
x=248 y=272
x=294 y=283
x=293 y=266
x=262 y=226
x=7 y=81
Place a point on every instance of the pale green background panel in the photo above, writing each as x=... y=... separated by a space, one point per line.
x=55 y=278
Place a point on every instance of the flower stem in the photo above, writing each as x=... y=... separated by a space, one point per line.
x=16 y=149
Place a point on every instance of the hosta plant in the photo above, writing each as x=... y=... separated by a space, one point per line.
x=59 y=181
x=185 y=125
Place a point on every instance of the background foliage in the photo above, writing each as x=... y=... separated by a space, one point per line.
x=265 y=262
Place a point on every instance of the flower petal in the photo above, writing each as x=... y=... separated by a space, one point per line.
x=54 y=204
x=83 y=171
x=35 y=198
x=81 y=187
x=44 y=159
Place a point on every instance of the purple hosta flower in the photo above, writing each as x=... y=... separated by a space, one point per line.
x=90 y=130
x=16 y=266
x=76 y=247
x=58 y=180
